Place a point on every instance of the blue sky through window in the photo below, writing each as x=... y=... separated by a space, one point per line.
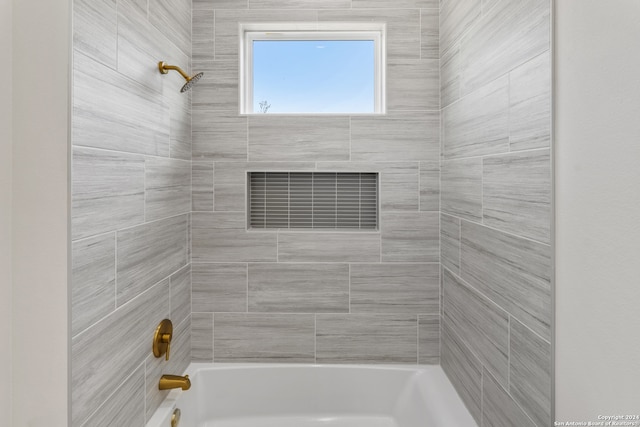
x=314 y=76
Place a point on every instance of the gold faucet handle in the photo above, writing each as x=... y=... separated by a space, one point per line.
x=162 y=339
x=166 y=338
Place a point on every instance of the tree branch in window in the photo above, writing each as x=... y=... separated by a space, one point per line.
x=264 y=106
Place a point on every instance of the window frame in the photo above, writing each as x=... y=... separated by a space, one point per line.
x=312 y=31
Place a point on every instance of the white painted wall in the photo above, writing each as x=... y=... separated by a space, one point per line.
x=41 y=58
x=5 y=208
x=598 y=208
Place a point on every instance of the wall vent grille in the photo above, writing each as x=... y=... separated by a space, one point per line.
x=313 y=200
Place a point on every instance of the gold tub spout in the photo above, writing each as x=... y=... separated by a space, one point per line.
x=168 y=382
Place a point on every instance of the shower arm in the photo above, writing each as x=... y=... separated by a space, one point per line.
x=164 y=69
x=191 y=80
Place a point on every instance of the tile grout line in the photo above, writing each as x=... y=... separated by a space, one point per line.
x=441 y=146
x=144 y=362
x=481 y=191
x=505 y=74
x=247 y=137
x=420 y=186
x=459 y=247
x=213 y=186
x=509 y=77
x=417 y=339
x=307 y=313
x=515 y=319
x=103 y=318
x=144 y=183
x=528 y=239
x=131 y=227
x=482 y=373
x=191 y=311
x=338 y=262
x=247 y=276
x=495 y=304
x=472 y=352
x=526 y=413
x=420 y=41
x=349 y=266
x=475 y=290
x=143 y=365
x=141 y=156
x=440 y=316
x=213 y=337
x=171 y=293
x=117 y=61
x=191 y=182
x=115 y=268
x=214 y=31
x=509 y=352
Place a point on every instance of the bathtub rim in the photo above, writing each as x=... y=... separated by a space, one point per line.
x=162 y=415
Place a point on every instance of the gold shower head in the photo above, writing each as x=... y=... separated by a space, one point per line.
x=164 y=69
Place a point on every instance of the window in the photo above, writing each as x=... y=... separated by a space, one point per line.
x=297 y=71
x=315 y=200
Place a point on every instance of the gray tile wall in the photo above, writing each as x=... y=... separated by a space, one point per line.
x=131 y=205
x=495 y=225
x=299 y=296
x=327 y=297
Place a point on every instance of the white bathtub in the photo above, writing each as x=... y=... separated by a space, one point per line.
x=273 y=395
